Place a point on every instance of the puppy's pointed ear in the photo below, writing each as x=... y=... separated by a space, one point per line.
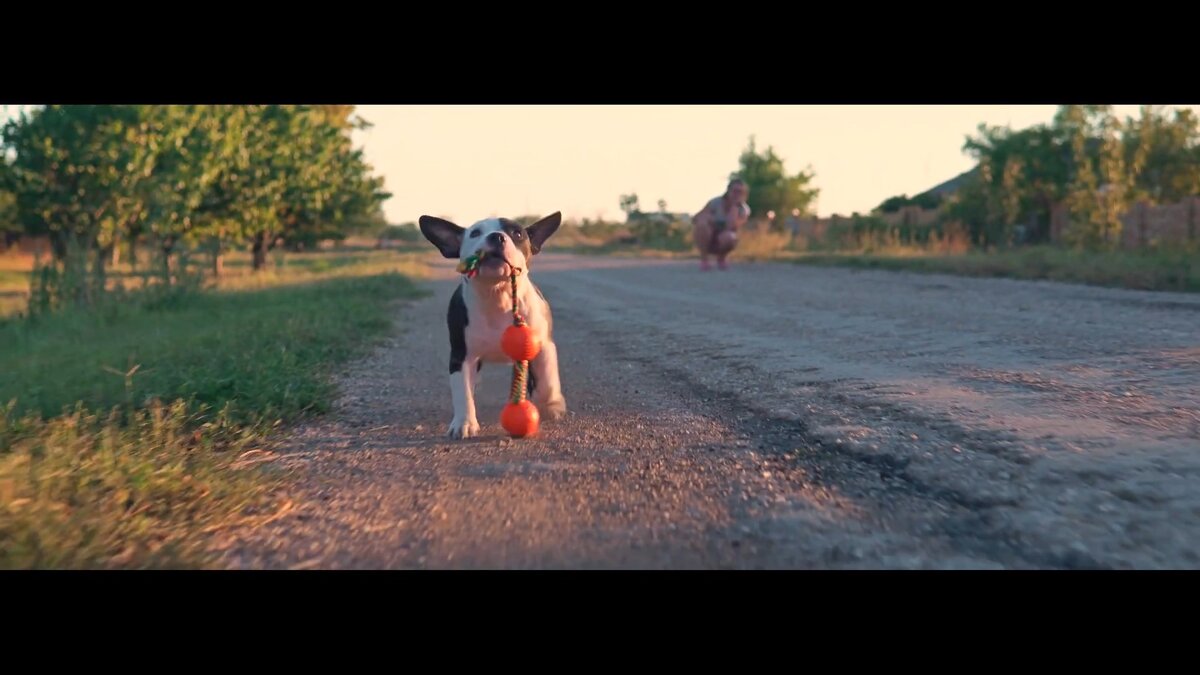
x=540 y=231
x=443 y=234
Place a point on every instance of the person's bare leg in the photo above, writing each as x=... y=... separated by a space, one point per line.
x=702 y=233
x=722 y=247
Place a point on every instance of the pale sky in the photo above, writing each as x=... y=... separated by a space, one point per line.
x=472 y=162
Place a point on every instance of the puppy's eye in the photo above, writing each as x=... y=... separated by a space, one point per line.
x=518 y=235
x=474 y=233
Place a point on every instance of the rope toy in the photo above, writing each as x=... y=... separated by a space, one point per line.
x=520 y=416
x=470 y=266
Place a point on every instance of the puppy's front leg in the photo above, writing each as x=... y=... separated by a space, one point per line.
x=462 y=391
x=547 y=392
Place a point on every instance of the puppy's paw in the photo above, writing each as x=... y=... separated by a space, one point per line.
x=553 y=409
x=463 y=428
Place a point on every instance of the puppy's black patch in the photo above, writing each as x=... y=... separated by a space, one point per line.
x=540 y=231
x=443 y=234
x=520 y=238
x=456 y=320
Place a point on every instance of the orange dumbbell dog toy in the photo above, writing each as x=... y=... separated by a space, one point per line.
x=520 y=416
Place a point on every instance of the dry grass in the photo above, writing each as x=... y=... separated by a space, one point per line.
x=1177 y=269
x=1143 y=270
x=127 y=489
x=356 y=259
x=762 y=244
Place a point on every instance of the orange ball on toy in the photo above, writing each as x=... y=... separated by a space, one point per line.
x=520 y=344
x=520 y=419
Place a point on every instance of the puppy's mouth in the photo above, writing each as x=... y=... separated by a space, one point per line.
x=495 y=266
x=490 y=264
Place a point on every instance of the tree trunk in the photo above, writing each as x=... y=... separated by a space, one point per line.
x=218 y=258
x=1041 y=228
x=260 y=252
x=168 y=262
x=58 y=246
x=103 y=255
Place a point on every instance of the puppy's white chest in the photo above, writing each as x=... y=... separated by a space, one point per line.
x=483 y=340
x=489 y=317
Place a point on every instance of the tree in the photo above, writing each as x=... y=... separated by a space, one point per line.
x=334 y=187
x=1167 y=151
x=1024 y=175
x=629 y=204
x=278 y=175
x=367 y=224
x=970 y=207
x=925 y=200
x=192 y=196
x=1102 y=185
x=77 y=173
x=61 y=161
x=314 y=182
x=771 y=189
x=1085 y=158
x=10 y=230
x=893 y=204
x=89 y=176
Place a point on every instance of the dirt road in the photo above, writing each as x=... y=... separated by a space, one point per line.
x=774 y=416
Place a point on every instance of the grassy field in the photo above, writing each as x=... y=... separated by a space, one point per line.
x=1159 y=270
x=133 y=432
x=1151 y=270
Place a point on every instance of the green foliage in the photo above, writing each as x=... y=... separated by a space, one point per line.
x=925 y=200
x=406 y=232
x=1021 y=175
x=971 y=206
x=9 y=226
x=369 y=224
x=1167 y=151
x=90 y=177
x=1087 y=159
x=866 y=233
x=74 y=172
x=771 y=188
x=629 y=204
x=661 y=232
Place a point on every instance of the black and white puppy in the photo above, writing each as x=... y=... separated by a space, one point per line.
x=481 y=308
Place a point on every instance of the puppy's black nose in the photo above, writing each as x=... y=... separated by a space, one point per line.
x=496 y=239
